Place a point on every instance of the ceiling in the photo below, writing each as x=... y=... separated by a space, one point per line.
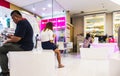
x=75 y=7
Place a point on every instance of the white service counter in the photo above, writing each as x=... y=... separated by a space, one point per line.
x=114 y=65
x=108 y=45
x=99 y=51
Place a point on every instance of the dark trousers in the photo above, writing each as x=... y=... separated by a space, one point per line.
x=3 y=54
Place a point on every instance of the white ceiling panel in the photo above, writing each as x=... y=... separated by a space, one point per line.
x=44 y=8
x=74 y=6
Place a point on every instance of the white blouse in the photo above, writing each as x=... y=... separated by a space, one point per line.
x=47 y=35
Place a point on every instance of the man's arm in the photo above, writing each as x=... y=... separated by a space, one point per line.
x=13 y=39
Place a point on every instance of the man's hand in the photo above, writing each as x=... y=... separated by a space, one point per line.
x=6 y=41
x=9 y=36
x=12 y=38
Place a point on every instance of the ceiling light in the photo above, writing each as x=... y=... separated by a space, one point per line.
x=49 y=5
x=33 y=9
x=116 y=1
x=43 y=9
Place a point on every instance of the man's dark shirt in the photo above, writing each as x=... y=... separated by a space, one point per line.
x=25 y=31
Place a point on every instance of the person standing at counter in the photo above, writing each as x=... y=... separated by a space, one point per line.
x=47 y=39
x=87 y=41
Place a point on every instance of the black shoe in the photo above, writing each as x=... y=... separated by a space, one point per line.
x=4 y=74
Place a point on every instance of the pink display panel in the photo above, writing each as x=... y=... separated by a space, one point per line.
x=59 y=27
x=58 y=22
x=61 y=22
x=43 y=24
x=54 y=21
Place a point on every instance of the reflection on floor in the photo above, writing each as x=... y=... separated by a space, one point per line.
x=74 y=66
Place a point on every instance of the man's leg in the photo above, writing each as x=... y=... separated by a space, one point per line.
x=3 y=55
x=4 y=59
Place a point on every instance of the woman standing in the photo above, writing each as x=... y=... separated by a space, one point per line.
x=87 y=41
x=47 y=39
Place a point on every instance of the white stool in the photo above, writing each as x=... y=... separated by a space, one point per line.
x=32 y=63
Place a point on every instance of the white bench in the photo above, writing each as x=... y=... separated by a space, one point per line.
x=32 y=63
x=95 y=53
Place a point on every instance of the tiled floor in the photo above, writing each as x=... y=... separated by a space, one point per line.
x=74 y=66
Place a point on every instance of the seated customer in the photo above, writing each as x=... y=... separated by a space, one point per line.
x=22 y=40
x=47 y=38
